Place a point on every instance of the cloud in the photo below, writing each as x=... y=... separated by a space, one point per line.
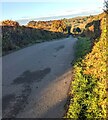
x=77 y=11
x=62 y=14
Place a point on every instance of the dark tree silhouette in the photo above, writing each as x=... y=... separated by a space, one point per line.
x=106 y=6
x=77 y=30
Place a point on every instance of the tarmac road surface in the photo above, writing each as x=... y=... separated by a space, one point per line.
x=36 y=80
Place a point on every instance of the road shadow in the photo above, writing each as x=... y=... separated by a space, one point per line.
x=29 y=77
x=12 y=104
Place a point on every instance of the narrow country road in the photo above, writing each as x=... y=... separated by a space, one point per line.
x=36 y=80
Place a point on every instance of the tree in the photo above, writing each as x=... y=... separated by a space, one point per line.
x=106 y=6
x=31 y=24
x=10 y=23
x=58 y=26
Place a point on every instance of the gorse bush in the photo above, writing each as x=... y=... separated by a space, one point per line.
x=54 y=25
x=88 y=89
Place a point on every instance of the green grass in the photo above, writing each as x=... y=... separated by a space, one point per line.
x=82 y=47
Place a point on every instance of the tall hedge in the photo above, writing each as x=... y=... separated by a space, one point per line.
x=88 y=89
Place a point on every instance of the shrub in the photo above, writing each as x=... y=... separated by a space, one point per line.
x=88 y=89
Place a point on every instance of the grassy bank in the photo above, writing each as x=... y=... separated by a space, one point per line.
x=82 y=47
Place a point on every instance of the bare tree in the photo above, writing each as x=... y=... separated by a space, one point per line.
x=106 y=6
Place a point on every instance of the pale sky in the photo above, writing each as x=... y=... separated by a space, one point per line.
x=50 y=8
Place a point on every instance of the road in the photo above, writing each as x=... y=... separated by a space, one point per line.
x=36 y=80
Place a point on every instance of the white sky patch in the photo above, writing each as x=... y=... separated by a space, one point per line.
x=76 y=11
x=38 y=0
x=69 y=12
x=58 y=1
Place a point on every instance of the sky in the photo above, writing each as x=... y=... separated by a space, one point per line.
x=40 y=10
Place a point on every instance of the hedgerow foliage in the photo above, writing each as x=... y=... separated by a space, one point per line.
x=88 y=89
x=16 y=37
